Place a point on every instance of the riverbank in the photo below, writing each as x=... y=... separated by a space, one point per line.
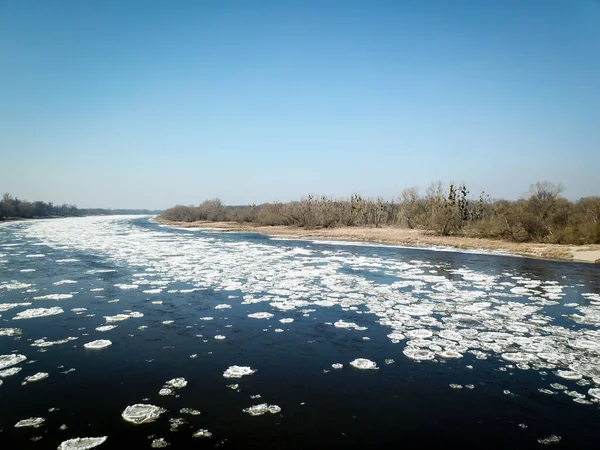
x=416 y=238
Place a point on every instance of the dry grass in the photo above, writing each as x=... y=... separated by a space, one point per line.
x=393 y=235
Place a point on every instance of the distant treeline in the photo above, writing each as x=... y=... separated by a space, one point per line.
x=14 y=208
x=540 y=216
x=114 y=212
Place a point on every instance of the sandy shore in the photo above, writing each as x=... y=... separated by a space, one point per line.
x=416 y=238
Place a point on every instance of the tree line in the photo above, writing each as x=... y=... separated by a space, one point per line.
x=542 y=215
x=13 y=208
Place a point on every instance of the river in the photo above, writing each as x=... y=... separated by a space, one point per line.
x=337 y=344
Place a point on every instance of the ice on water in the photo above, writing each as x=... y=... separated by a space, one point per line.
x=142 y=413
x=263 y=408
x=33 y=422
x=503 y=316
x=36 y=377
x=260 y=315
x=202 y=434
x=363 y=363
x=38 y=312
x=11 y=360
x=238 y=371
x=82 y=443
x=54 y=297
x=177 y=383
x=98 y=344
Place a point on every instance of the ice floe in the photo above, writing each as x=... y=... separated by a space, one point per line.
x=595 y=393
x=126 y=287
x=159 y=443
x=7 y=306
x=418 y=354
x=142 y=413
x=120 y=317
x=38 y=312
x=45 y=343
x=54 y=297
x=202 y=434
x=10 y=331
x=348 y=325
x=36 y=377
x=11 y=360
x=98 y=344
x=552 y=439
x=223 y=306
x=33 y=422
x=260 y=315
x=263 y=408
x=61 y=282
x=177 y=383
x=9 y=372
x=362 y=363
x=238 y=371
x=82 y=443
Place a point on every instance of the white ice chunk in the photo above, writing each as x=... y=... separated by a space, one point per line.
x=202 y=434
x=177 y=383
x=594 y=392
x=159 y=443
x=34 y=422
x=7 y=306
x=10 y=372
x=348 y=325
x=36 y=377
x=223 y=306
x=142 y=413
x=418 y=354
x=54 y=297
x=38 y=312
x=82 y=443
x=58 y=283
x=238 y=371
x=100 y=343
x=10 y=331
x=263 y=408
x=260 y=315
x=120 y=317
x=362 y=363
x=568 y=375
x=11 y=360
x=127 y=286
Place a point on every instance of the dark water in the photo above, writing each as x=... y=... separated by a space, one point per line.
x=496 y=328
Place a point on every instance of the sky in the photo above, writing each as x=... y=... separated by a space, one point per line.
x=148 y=104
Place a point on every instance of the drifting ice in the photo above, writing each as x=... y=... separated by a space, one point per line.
x=140 y=413
x=82 y=443
x=362 y=363
x=238 y=372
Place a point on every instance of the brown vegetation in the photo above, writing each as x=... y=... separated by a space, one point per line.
x=542 y=216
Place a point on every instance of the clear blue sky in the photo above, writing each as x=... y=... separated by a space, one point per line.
x=152 y=103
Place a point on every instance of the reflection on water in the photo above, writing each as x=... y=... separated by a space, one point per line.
x=101 y=314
